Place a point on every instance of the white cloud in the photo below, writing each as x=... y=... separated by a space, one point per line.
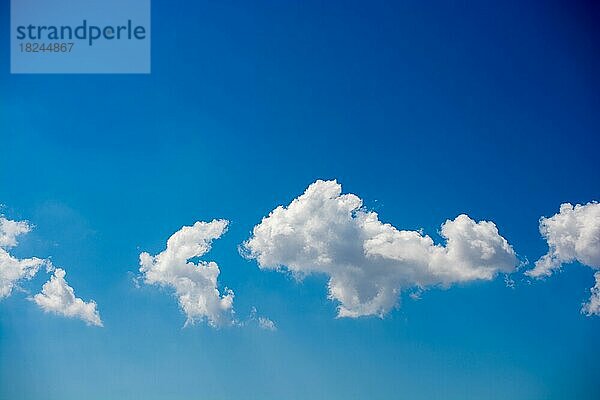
x=10 y=230
x=572 y=235
x=12 y=269
x=592 y=307
x=267 y=324
x=368 y=262
x=262 y=321
x=195 y=284
x=56 y=296
x=59 y=298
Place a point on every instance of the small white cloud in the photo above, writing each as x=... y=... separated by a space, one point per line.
x=509 y=282
x=262 y=321
x=10 y=230
x=59 y=298
x=416 y=294
x=592 y=307
x=573 y=235
x=267 y=324
x=368 y=262
x=56 y=296
x=12 y=269
x=195 y=285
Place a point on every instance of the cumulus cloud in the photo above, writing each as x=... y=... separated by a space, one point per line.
x=572 y=235
x=367 y=261
x=59 y=298
x=56 y=296
x=12 y=269
x=10 y=230
x=195 y=285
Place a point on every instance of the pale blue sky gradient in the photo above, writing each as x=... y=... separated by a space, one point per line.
x=425 y=112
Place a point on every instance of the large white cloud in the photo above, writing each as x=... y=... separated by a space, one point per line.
x=195 y=284
x=572 y=235
x=368 y=262
x=12 y=269
x=59 y=298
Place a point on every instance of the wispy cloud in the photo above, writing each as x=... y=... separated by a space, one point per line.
x=261 y=321
x=592 y=307
x=267 y=324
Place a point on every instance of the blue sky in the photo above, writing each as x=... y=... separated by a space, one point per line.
x=425 y=112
